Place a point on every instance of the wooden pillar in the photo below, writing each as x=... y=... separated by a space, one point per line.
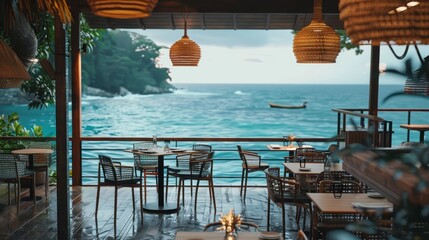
x=373 y=90
x=76 y=88
x=63 y=195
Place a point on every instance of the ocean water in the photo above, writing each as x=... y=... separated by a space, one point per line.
x=223 y=110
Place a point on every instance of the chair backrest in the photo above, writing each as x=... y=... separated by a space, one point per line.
x=109 y=171
x=42 y=145
x=244 y=227
x=41 y=160
x=142 y=160
x=347 y=186
x=202 y=147
x=250 y=159
x=335 y=175
x=201 y=164
x=280 y=189
x=8 y=166
x=143 y=145
x=313 y=156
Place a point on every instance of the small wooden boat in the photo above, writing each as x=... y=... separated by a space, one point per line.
x=273 y=105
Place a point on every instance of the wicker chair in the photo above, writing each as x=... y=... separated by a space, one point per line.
x=200 y=168
x=147 y=165
x=251 y=162
x=11 y=172
x=41 y=162
x=301 y=235
x=328 y=222
x=182 y=162
x=299 y=152
x=114 y=174
x=285 y=192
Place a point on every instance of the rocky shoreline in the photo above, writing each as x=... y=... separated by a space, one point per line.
x=14 y=96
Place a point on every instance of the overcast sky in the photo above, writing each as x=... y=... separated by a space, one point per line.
x=260 y=56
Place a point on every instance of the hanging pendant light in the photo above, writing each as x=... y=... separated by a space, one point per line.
x=375 y=21
x=317 y=42
x=12 y=70
x=122 y=9
x=185 y=52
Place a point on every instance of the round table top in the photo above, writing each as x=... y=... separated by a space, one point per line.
x=32 y=151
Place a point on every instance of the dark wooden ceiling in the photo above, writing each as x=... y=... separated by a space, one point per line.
x=223 y=14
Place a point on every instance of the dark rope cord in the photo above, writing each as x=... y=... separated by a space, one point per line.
x=418 y=53
x=403 y=55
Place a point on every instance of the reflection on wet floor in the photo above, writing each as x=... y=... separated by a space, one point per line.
x=39 y=222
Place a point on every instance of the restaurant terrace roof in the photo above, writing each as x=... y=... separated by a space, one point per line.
x=223 y=14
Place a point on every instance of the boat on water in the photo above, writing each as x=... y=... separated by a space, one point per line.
x=303 y=105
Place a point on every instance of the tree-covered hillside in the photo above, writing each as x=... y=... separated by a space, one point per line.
x=125 y=59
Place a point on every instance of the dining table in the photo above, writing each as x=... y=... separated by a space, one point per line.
x=348 y=203
x=422 y=128
x=160 y=206
x=289 y=148
x=30 y=152
x=220 y=235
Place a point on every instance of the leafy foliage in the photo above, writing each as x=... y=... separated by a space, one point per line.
x=408 y=72
x=10 y=126
x=124 y=59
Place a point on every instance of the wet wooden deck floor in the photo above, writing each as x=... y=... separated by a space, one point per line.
x=39 y=222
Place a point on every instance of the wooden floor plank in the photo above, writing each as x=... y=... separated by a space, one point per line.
x=39 y=222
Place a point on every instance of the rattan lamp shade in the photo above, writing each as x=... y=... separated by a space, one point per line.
x=12 y=70
x=185 y=52
x=317 y=42
x=122 y=9
x=378 y=21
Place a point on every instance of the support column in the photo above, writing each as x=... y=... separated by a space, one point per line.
x=76 y=88
x=63 y=195
x=373 y=90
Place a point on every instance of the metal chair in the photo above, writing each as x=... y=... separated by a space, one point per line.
x=285 y=192
x=200 y=168
x=114 y=174
x=11 y=172
x=147 y=165
x=182 y=162
x=251 y=162
x=41 y=162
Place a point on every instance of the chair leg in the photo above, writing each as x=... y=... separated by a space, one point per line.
x=178 y=193
x=8 y=194
x=34 y=187
x=284 y=221
x=166 y=187
x=242 y=179
x=97 y=200
x=213 y=194
x=145 y=192
x=115 y=209
x=46 y=184
x=268 y=214
x=18 y=196
x=134 y=202
x=141 y=197
x=196 y=196
x=245 y=184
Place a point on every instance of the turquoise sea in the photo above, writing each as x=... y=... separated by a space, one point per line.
x=224 y=110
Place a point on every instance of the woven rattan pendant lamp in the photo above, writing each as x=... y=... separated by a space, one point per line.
x=317 y=42
x=12 y=70
x=185 y=52
x=375 y=21
x=122 y=9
